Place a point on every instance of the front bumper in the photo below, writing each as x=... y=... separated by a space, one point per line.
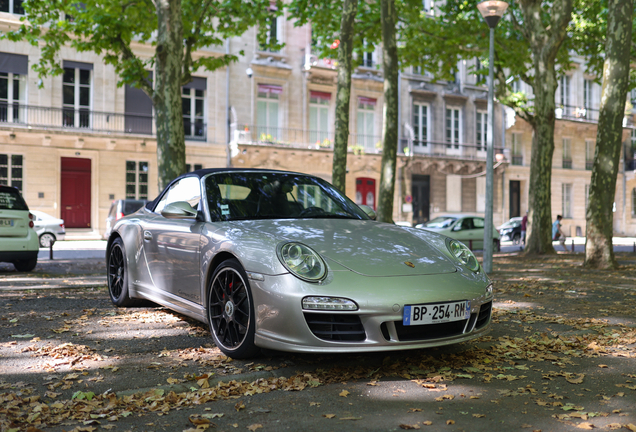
x=281 y=324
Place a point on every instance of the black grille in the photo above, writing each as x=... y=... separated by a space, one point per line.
x=484 y=315
x=385 y=331
x=429 y=331
x=336 y=327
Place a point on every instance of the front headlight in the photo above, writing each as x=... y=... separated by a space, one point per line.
x=302 y=261
x=464 y=255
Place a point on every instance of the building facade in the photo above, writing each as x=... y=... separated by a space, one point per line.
x=75 y=142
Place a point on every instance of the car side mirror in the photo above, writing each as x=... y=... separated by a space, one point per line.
x=368 y=211
x=179 y=210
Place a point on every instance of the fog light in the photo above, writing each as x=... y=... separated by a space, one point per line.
x=488 y=291
x=329 y=303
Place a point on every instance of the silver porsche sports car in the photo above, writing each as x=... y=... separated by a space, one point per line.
x=284 y=261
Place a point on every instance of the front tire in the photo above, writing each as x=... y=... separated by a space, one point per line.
x=516 y=239
x=118 y=275
x=46 y=239
x=231 y=311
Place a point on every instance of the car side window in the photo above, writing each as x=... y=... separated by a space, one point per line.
x=187 y=189
x=478 y=223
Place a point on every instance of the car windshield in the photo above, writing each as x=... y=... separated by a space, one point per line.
x=10 y=199
x=267 y=195
x=511 y=224
x=440 y=222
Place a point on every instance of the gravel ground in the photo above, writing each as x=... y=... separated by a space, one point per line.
x=561 y=356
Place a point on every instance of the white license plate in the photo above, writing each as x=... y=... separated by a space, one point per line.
x=436 y=313
x=6 y=222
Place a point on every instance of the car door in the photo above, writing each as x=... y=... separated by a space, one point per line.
x=172 y=246
x=465 y=232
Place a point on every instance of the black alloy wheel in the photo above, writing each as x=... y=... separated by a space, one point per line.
x=117 y=275
x=230 y=311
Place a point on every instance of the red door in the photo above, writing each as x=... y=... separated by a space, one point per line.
x=76 y=192
x=365 y=191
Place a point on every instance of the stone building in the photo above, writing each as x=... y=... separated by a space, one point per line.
x=73 y=143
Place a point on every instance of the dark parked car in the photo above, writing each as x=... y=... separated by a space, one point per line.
x=119 y=209
x=511 y=231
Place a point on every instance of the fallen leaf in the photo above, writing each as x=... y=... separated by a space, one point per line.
x=412 y=410
x=602 y=366
x=413 y=426
x=239 y=406
x=255 y=426
x=586 y=425
x=314 y=403
x=450 y=422
x=23 y=336
x=329 y=416
x=344 y=393
x=631 y=427
x=479 y=415
x=614 y=426
x=427 y=423
x=211 y=416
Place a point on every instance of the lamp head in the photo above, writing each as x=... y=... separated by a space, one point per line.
x=492 y=11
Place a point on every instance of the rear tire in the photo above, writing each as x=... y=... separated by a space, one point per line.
x=516 y=239
x=25 y=265
x=231 y=311
x=117 y=269
x=46 y=239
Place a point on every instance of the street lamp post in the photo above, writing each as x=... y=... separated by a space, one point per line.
x=492 y=11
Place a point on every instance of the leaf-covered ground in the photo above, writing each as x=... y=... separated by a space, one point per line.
x=561 y=356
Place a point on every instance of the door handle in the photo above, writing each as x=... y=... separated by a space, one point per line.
x=147 y=235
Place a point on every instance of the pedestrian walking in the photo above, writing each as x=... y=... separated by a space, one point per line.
x=557 y=232
x=524 y=225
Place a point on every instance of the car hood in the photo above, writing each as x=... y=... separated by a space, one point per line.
x=365 y=247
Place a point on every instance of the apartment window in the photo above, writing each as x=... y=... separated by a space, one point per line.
x=136 y=180
x=193 y=106
x=11 y=172
x=588 y=88
x=633 y=139
x=267 y=112
x=416 y=70
x=319 y=118
x=420 y=126
x=12 y=6
x=589 y=154
x=76 y=94
x=567 y=153
x=566 y=200
x=194 y=167
x=368 y=56
x=482 y=128
x=480 y=77
x=453 y=127
x=633 y=96
x=564 y=89
x=516 y=86
x=366 y=123
x=274 y=33
x=517 y=149
x=634 y=203
x=12 y=89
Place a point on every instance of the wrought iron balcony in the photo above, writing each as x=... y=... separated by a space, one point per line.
x=517 y=160
x=577 y=113
x=307 y=139
x=83 y=120
x=449 y=150
x=589 y=164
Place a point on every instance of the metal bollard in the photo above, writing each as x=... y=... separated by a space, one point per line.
x=51 y=249
x=572 y=245
x=635 y=247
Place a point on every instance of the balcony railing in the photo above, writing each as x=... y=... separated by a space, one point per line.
x=517 y=160
x=299 y=138
x=83 y=120
x=589 y=164
x=567 y=163
x=569 y=112
x=444 y=149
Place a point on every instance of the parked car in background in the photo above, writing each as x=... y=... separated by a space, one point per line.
x=511 y=231
x=468 y=229
x=49 y=229
x=119 y=209
x=18 y=240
